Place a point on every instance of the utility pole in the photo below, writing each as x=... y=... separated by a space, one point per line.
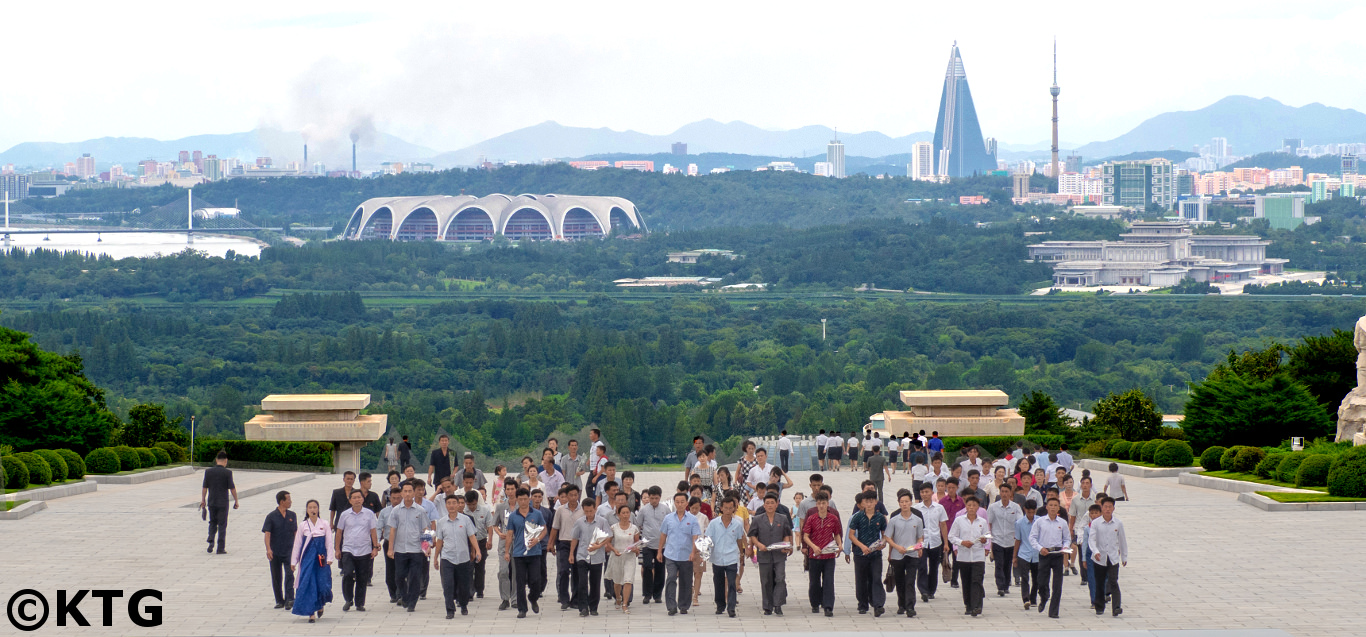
x=822 y=329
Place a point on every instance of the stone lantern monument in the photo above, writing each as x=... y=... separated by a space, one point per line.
x=333 y=418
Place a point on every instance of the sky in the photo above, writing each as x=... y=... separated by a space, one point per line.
x=450 y=74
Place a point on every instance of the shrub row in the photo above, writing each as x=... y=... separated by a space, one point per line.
x=306 y=454
x=124 y=458
x=1347 y=475
x=1165 y=452
x=40 y=467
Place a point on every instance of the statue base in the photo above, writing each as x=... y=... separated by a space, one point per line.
x=1352 y=417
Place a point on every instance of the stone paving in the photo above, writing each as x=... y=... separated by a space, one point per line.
x=1198 y=560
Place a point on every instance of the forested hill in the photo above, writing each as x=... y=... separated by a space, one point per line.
x=667 y=201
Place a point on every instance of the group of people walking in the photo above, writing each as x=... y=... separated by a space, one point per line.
x=1035 y=525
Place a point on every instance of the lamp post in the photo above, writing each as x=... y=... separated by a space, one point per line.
x=191 y=441
x=822 y=329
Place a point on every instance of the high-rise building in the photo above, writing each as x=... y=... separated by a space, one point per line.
x=834 y=155
x=1054 y=90
x=198 y=158
x=692 y=170
x=1072 y=164
x=1218 y=147
x=821 y=169
x=85 y=166
x=1349 y=166
x=184 y=157
x=1291 y=145
x=922 y=161
x=1283 y=210
x=680 y=148
x=1194 y=208
x=211 y=168
x=1139 y=183
x=14 y=184
x=958 y=145
x=1019 y=183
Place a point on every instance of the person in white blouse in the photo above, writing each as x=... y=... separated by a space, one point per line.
x=1109 y=551
x=311 y=561
x=970 y=533
x=761 y=473
x=784 y=450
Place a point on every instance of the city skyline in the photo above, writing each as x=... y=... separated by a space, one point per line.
x=307 y=74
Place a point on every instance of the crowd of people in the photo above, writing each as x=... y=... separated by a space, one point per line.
x=1025 y=512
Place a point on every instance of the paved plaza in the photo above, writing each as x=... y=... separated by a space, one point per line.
x=1198 y=560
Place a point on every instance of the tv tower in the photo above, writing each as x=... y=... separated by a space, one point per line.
x=1055 y=90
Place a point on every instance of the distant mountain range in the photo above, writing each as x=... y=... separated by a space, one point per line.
x=1251 y=126
x=280 y=145
x=552 y=140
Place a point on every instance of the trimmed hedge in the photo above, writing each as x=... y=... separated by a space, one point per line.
x=306 y=454
x=129 y=459
x=1136 y=451
x=1210 y=459
x=996 y=446
x=175 y=451
x=75 y=467
x=1313 y=471
x=39 y=472
x=1111 y=446
x=1289 y=466
x=1226 y=460
x=1094 y=449
x=1247 y=459
x=1347 y=477
x=55 y=462
x=1150 y=450
x=146 y=456
x=16 y=473
x=162 y=457
x=1267 y=467
x=1120 y=451
x=102 y=461
x=1174 y=453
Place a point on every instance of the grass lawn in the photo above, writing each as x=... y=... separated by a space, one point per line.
x=55 y=483
x=1283 y=496
x=7 y=505
x=1248 y=477
x=657 y=467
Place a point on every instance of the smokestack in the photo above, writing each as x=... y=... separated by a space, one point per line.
x=353 y=157
x=305 y=157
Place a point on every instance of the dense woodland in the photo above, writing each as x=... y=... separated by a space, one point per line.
x=502 y=374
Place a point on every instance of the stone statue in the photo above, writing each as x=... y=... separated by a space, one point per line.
x=1352 y=412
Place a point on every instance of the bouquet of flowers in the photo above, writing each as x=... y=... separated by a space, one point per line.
x=703 y=544
x=428 y=538
x=532 y=531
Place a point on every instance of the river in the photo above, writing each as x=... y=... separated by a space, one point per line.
x=122 y=245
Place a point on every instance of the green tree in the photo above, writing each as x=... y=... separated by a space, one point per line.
x=1327 y=367
x=1189 y=345
x=1233 y=409
x=1042 y=414
x=1132 y=414
x=46 y=402
x=147 y=425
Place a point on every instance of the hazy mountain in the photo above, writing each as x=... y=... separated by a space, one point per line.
x=280 y=145
x=552 y=140
x=1251 y=126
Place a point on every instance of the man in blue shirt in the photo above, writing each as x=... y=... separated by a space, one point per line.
x=727 y=535
x=866 y=529
x=1026 y=558
x=526 y=562
x=676 y=535
x=936 y=444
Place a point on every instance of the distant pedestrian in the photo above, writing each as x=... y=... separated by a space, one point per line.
x=214 y=500
x=312 y=558
x=391 y=456
x=784 y=450
x=405 y=454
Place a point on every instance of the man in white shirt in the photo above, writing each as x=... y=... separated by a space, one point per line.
x=1081 y=502
x=761 y=473
x=1109 y=551
x=784 y=450
x=1064 y=458
x=1049 y=537
x=974 y=461
x=1001 y=515
x=970 y=533
x=821 y=439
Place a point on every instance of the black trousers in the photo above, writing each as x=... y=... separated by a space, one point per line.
x=782 y=459
x=391 y=574
x=651 y=575
x=218 y=523
x=457 y=584
x=1029 y=582
x=878 y=485
x=281 y=579
x=1005 y=557
x=409 y=576
x=904 y=574
x=868 y=580
x=566 y=576
x=479 y=569
x=545 y=574
x=1107 y=580
x=821 y=590
x=678 y=589
x=973 y=573
x=356 y=572
x=723 y=582
x=527 y=571
x=1050 y=581
x=426 y=574
x=587 y=585
x=929 y=570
